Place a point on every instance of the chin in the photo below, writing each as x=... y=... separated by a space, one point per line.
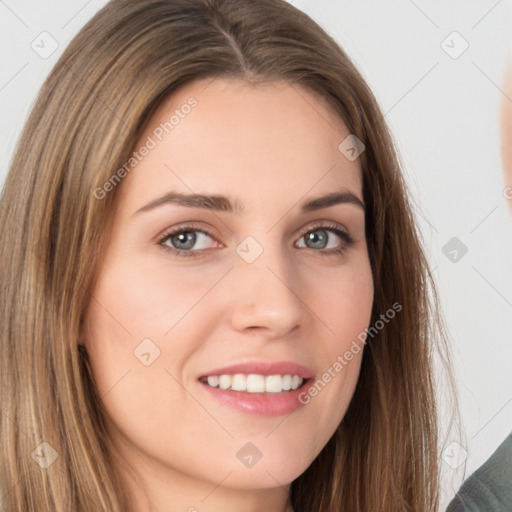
x=271 y=475
x=267 y=462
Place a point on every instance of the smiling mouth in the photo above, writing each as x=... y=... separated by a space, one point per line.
x=255 y=383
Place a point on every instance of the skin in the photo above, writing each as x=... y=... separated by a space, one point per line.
x=269 y=147
x=506 y=130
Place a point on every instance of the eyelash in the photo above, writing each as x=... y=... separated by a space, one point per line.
x=345 y=236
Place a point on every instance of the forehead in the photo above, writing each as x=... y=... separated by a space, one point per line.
x=269 y=141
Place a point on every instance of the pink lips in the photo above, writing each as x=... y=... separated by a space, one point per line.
x=261 y=404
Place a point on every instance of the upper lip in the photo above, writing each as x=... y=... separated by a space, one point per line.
x=264 y=368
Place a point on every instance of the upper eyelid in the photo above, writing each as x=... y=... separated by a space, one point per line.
x=186 y=227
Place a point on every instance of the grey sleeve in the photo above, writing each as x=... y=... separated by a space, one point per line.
x=489 y=488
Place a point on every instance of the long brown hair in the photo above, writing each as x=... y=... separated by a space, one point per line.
x=88 y=116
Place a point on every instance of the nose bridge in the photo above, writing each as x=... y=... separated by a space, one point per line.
x=267 y=289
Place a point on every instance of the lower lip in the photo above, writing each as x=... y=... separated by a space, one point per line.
x=260 y=404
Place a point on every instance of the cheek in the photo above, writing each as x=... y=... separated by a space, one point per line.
x=344 y=306
x=139 y=334
x=143 y=323
x=343 y=302
x=134 y=300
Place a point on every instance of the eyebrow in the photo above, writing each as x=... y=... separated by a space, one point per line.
x=224 y=204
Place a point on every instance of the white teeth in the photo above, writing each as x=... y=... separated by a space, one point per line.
x=255 y=383
x=225 y=381
x=238 y=383
x=213 y=381
x=273 y=384
x=296 y=381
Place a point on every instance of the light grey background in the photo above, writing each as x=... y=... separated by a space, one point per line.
x=444 y=113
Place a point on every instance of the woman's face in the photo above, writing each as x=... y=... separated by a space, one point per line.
x=260 y=279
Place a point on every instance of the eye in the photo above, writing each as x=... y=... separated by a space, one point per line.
x=326 y=238
x=187 y=239
x=190 y=241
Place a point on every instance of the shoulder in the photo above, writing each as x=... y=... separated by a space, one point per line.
x=489 y=488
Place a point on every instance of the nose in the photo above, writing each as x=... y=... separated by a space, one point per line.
x=267 y=297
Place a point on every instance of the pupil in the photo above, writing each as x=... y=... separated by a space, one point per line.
x=187 y=239
x=318 y=239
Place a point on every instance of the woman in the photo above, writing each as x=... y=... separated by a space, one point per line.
x=214 y=295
